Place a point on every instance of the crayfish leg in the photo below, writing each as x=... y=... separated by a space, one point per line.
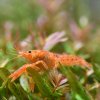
x=18 y=73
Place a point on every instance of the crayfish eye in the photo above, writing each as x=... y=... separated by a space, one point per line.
x=29 y=51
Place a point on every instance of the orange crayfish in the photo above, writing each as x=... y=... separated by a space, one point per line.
x=47 y=60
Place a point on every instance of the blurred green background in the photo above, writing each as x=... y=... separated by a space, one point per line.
x=61 y=26
x=79 y=19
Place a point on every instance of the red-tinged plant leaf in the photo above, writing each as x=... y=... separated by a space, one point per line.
x=54 y=39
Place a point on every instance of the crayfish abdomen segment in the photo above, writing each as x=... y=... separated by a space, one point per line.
x=70 y=60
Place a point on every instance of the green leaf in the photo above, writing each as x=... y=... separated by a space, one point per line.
x=41 y=82
x=4 y=98
x=96 y=69
x=4 y=73
x=17 y=91
x=77 y=90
